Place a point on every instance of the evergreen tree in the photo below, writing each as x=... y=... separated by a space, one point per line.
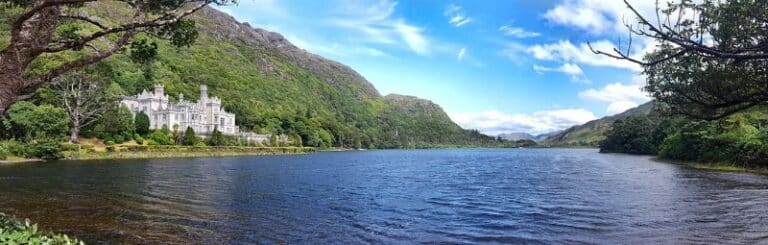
x=217 y=138
x=189 y=137
x=141 y=123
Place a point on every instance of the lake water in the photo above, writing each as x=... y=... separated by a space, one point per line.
x=422 y=196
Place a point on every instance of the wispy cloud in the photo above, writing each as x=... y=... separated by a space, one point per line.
x=565 y=51
x=494 y=122
x=377 y=23
x=457 y=16
x=517 y=32
x=572 y=70
x=462 y=54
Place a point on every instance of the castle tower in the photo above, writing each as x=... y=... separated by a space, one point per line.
x=203 y=93
x=159 y=90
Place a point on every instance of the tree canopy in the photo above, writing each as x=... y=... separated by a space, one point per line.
x=711 y=59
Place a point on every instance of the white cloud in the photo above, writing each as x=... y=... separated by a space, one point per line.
x=565 y=51
x=456 y=16
x=462 y=54
x=572 y=70
x=598 y=16
x=517 y=32
x=495 y=122
x=378 y=25
x=619 y=96
x=413 y=37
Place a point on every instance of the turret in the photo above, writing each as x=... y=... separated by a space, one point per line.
x=203 y=92
x=159 y=90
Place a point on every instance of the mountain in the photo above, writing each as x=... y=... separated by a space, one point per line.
x=544 y=136
x=591 y=133
x=272 y=86
x=517 y=136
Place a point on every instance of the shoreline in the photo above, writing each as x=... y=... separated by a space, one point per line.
x=714 y=167
x=188 y=152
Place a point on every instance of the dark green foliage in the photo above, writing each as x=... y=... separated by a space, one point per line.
x=118 y=121
x=738 y=139
x=189 y=137
x=13 y=231
x=633 y=135
x=139 y=140
x=46 y=148
x=217 y=138
x=161 y=137
x=141 y=122
x=26 y=121
x=4 y=151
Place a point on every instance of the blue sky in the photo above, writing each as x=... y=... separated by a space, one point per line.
x=494 y=65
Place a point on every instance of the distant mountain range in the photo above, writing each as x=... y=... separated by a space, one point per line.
x=591 y=133
x=526 y=136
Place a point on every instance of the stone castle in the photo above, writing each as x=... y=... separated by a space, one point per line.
x=202 y=116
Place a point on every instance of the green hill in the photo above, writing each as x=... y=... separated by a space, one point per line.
x=592 y=132
x=275 y=87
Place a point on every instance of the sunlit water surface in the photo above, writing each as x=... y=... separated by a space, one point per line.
x=450 y=196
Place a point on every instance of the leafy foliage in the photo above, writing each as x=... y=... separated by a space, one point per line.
x=189 y=137
x=26 y=121
x=633 y=135
x=141 y=122
x=217 y=138
x=13 y=231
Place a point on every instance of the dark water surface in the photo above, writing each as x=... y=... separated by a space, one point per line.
x=446 y=196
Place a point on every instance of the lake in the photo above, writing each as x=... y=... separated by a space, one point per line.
x=419 y=196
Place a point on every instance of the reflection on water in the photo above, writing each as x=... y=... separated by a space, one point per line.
x=461 y=196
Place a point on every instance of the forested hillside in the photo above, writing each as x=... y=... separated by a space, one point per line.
x=593 y=132
x=274 y=87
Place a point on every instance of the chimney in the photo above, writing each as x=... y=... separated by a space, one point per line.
x=181 y=97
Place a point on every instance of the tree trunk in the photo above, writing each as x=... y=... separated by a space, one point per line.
x=27 y=40
x=74 y=135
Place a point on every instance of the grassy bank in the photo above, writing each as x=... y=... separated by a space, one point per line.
x=13 y=231
x=144 y=152
x=719 y=167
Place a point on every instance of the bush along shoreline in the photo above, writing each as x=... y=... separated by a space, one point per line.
x=13 y=231
x=735 y=143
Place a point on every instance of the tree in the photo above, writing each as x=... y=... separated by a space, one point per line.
x=118 y=120
x=217 y=138
x=85 y=98
x=141 y=122
x=633 y=135
x=30 y=122
x=45 y=28
x=189 y=137
x=712 y=56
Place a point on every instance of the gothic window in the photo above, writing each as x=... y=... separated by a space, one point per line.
x=222 y=122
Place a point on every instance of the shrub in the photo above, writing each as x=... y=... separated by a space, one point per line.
x=87 y=148
x=13 y=231
x=160 y=137
x=17 y=148
x=109 y=143
x=70 y=147
x=47 y=149
x=111 y=148
x=139 y=140
x=200 y=144
x=4 y=152
x=118 y=139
